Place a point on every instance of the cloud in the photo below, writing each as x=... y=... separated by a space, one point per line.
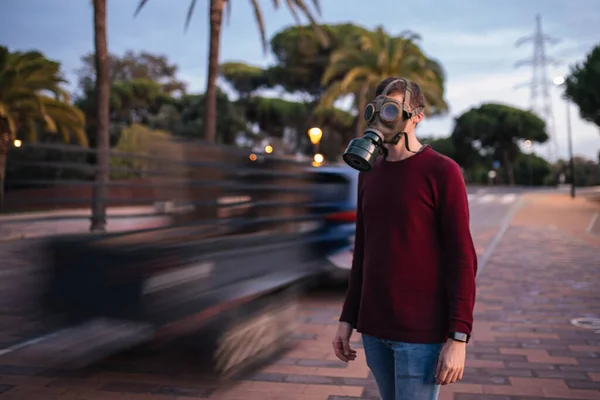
x=466 y=93
x=481 y=68
x=455 y=40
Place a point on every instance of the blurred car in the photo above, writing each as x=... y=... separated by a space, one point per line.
x=225 y=274
x=336 y=197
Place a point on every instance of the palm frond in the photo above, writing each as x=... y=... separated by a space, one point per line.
x=190 y=12
x=141 y=5
x=33 y=99
x=379 y=56
x=261 y=24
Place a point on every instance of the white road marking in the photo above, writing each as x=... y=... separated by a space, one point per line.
x=480 y=198
x=486 y=198
x=508 y=198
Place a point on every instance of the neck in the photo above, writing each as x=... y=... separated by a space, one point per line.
x=399 y=152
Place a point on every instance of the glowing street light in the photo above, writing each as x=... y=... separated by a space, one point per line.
x=315 y=135
x=17 y=143
x=268 y=149
x=318 y=158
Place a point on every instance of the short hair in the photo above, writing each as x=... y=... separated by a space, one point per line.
x=417 y=98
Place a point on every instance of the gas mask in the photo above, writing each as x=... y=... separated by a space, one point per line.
x=384 y=117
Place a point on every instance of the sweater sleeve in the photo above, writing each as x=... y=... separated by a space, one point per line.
x=353 y=294
x=459 y=252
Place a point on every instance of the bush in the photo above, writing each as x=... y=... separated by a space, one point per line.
x=135 y=140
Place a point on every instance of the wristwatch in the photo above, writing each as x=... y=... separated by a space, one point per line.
x=459 y=337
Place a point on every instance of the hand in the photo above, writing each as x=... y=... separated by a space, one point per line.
x=451 y=363
x=341 y=343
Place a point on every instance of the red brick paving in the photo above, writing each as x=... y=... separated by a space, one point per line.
x=543 y=273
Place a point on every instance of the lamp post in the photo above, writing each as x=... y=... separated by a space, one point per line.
x=5 y=136
x=528 y=151
x=559 y=81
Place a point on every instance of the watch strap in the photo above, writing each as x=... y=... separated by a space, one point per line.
x=459 y=336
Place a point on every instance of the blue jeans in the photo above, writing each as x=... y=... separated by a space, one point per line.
x=403 y=371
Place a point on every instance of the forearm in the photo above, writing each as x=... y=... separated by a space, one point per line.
x=353 y=294
x=461 y=293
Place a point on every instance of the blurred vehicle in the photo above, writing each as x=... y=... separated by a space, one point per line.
x=244 y=240
x=336 y=196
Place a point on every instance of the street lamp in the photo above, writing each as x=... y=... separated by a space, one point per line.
x=268 y=149
x=528 y=151
x=17 y=143
x=559 y=81
x=315 y=134
x=318 y=160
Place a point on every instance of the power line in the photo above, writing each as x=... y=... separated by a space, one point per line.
x=540 y=99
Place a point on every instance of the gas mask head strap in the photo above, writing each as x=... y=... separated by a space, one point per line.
x=407 y=94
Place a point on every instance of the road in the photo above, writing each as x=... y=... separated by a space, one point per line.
x=525 y=346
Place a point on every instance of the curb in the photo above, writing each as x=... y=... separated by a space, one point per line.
x=506 y=222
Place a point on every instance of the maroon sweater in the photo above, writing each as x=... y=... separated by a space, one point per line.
x=414 y=266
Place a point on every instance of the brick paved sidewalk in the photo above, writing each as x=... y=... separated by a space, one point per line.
x=525 y=345
x=543 y=274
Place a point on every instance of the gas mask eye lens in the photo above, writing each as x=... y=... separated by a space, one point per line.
x=369 y=112
x=389 y=113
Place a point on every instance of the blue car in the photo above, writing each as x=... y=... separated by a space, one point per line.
x=335 y=198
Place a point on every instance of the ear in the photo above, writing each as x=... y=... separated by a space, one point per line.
x=418 y=117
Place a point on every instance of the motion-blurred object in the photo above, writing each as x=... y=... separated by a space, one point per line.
x=243 y=237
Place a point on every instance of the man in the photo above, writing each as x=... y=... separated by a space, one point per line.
x=412 y=287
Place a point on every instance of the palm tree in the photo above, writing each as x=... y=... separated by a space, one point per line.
x=32 y=100
x=217 y=7
x=377 y=57
x=99 y=192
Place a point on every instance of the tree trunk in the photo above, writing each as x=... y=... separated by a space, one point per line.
x=510 y=172
x=3 y=156
x=361 y=108
x=99 y=192
x=4 y=146
x=210 y=109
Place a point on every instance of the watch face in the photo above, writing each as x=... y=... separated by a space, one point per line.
x=463 y=337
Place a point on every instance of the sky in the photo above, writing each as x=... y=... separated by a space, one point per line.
x=474 y=43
